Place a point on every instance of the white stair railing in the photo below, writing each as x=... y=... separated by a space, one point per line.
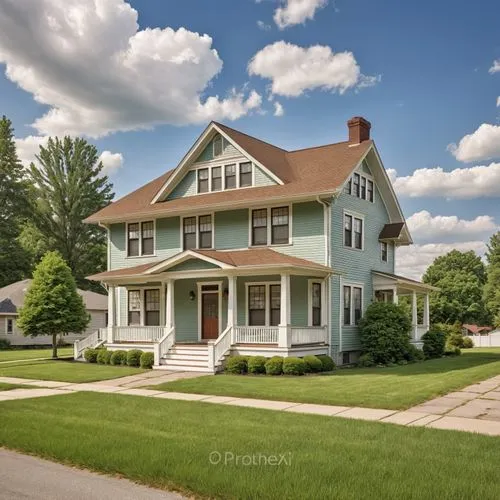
x=218 y=348
x=91 y=341
x=164 y=345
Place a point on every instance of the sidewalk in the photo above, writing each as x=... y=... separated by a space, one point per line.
x=473 y=409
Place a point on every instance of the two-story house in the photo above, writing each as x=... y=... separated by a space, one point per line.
x=248 y=248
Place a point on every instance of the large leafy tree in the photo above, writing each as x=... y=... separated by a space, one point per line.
x=52 y=305
x=69 y=186
x=460 y=277
x=14 y=262
x=492 y=286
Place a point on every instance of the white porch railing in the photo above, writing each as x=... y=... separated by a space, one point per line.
x=138 y=333
x=256 y=334
x=93 y=340
x=218 y=348
x=164 y=345
x=308 y=335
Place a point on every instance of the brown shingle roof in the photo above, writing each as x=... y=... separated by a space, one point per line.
x=305 y=172
x=254 y=257
x=391 y=231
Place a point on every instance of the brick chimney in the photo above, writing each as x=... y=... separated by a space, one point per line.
x=359 y=129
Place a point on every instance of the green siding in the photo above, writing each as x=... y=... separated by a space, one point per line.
x=261 y=178
x=299 y=300
x=167 y=243
x=185 y=187
x=365 y=168
x=193 y=265
x=231 y=229
x=356 y=265
x=207 y=153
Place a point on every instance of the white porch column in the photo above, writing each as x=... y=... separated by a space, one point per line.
x=395 y=298
x=414 y=315
x=111 y=313
x=232 y=305
x=284 y=339
x=169 y=306
x=427 y=315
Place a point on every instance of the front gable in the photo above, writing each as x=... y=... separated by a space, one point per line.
x=194 y=264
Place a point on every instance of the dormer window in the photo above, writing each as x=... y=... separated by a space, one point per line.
x=224 y=176
x=230 y=176
x=360 y=186
x=216 y=178
x=245 y=174
x=203 y=180
x=217 y=145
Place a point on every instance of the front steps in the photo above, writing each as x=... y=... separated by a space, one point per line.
x=186 y=357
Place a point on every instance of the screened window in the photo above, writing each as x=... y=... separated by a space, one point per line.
x=245 y=174
x=347 y=305
x=383 y=250
x=230 y=176
x=348 y=230
x=134 y=307
x=148 y=238
x=133 y=240
x=216 y=178
x=275 y=305
x=356 y=294
x=370 y=191
x=10 y=326
x=257 y=305
x=205 y=229
x=259 y=227
x=279 y=225
x=316 y=304
x=189 y=230
x=203 y=180
x=152 y=303
x=217 y=144
x=356 y=190
x=358 y=233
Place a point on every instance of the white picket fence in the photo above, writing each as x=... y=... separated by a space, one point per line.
x=491 y=340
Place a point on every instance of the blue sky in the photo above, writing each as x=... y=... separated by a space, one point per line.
x=432 y=83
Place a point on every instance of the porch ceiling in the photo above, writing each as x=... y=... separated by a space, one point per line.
x=404 y=285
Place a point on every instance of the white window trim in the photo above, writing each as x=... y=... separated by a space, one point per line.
x=352 y=285
x=142 y=312
x=367 y=177
x=213 y=145
x=199 y=285
x=354 y=215
x=212 y=214
x=140 y=239
x=310 y=283
x=269 y=229
x=382 y=243
x=223 y=164
x=267 y=284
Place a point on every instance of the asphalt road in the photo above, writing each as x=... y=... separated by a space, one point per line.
x=25 y=477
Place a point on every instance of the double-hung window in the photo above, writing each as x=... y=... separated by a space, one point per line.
x=216 y=178
x=369 y=196
x=10 y=326
x=203 y=186
x=264 y=304
x=189 y=230
x=197 y=232
x=259 y=227
x=205 y=231
x=356 y=182
x=270 y=226
x=316 y=300
x=348 y=187
x=383 y=251
x=353 y=305
x=363 y=188
x=279 y=226
x=140 y=239
x=245 y=174
x=274 y=305
x=353 y=232
x=134 y=307
x=152 y=307
x=360 y=186
x=230 y=176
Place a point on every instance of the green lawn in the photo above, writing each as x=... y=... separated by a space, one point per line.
x=9 y=387
x=19 y=354
x=168 y=443
x=393 y=388
x=67 y=371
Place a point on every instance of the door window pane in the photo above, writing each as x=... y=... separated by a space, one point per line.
x=189 y=233
x=216 y=178
x=134 y=307
x=133 y=240
x=347 y=305
x=259 y=227
x=148 y=230
x=279 y=225
x=316 y=304
x=348 y=230
x=203 y=180
x=245 y=174
x=275 y=305
x=230 y=174
x=257 y=305
x=205 y=228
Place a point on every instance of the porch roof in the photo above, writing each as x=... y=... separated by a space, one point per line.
x=380 y=279
x=251 y=259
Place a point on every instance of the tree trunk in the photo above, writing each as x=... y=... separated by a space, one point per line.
x=54 y=346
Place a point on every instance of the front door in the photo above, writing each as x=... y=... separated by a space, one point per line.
x=209 y=315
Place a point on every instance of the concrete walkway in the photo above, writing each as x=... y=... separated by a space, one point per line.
x=473 y=409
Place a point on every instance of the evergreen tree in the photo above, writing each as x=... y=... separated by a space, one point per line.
x=14 y=262
x=70 y=186
x=492 y=286
x=52 y=305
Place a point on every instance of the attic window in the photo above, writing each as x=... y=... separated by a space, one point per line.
x=217 y=145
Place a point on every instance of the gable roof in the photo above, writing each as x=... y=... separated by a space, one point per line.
x=12 y=297
x=477 y=329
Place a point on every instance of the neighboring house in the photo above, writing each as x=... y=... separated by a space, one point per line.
x=476 y=330
x=248 y=248
x=12 y=298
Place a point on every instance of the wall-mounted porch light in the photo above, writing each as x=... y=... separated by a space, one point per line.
x=192 y=295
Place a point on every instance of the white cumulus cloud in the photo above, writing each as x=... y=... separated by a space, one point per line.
x=97 y=72
x=263 y=26
x=461 y=183
x=293 y=69
x=412 y=261
x=495 y=67
x=111 y=162
x=278 y=109
x=483 y=144
x=292 y=12
x=28 y=147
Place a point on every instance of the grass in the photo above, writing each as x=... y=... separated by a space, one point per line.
x=167 y=444
x=394 y=388
x=21 y=354
x=67 y=371
x=9 y=387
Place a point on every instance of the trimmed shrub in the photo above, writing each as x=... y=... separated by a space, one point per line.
x=434 y=343
x=118 y=358
x=327 y=362
x=366 y=360
x=452 y=351
x=313 y=364
x=147 y=360
x=414 y=354
x=257 y=364
x=134 y=357
x=274 y=365
x=4 y=343
x=90 y=355
x=294 y=366
x=384 y=331
x=236 y=364
x=103 y=356
x=467 y=343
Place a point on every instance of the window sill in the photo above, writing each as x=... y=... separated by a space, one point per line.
x=140 y=256
x=355 y=249
x=272 y=245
